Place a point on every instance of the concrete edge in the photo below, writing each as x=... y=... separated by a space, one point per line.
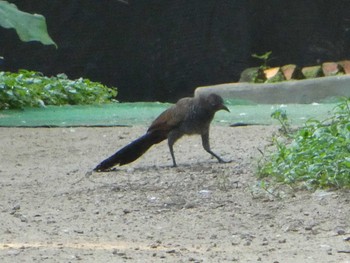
x=296 y=91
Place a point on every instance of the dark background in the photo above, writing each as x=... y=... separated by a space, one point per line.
x=162 y=50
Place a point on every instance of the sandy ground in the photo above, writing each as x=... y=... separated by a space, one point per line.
x=201 y=211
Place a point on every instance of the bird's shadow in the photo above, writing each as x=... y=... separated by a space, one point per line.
x=180 y=167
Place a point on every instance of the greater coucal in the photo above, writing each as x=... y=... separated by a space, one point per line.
x=188 y=116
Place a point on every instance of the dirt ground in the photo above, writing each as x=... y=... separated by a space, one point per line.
x=201 y=211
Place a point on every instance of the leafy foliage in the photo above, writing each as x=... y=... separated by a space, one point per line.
x=316 y=155
x=32 y=89
x=28 y=27
x=264 y=58
x=258 y=75
x=281 y=116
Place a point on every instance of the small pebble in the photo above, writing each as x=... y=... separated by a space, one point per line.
x=126 y=211
x=23 y=219
x=16 y=207
x=265 y=242
x=341 y=232
x=282 y=241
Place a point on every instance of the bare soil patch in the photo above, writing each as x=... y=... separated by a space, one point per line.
x=201 y=211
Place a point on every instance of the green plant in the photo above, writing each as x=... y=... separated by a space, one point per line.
x=264 y=58
x=281 y=116
x=32 y=89
x=28 y=27
x=316 y=155
x=258 y=75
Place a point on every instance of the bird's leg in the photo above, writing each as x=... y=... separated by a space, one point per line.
x=172 y=138
x=206 y=146
x=172 y=154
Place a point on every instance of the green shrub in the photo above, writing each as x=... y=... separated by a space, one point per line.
x=32 y=89
x=316 y=155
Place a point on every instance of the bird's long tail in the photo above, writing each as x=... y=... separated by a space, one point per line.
x=132 y=151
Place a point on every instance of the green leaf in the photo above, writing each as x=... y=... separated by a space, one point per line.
x=28 y=27
x=264 y=56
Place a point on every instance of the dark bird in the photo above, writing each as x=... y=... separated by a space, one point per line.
x=188 y=116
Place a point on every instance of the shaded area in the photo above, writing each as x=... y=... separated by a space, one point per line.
x=162 y=50
x=125 y=114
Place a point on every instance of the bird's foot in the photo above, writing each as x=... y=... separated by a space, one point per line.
x=104 y=170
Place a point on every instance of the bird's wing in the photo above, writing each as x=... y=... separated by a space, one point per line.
x=172 y=117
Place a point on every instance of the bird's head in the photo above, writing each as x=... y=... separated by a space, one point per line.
x=216 y=102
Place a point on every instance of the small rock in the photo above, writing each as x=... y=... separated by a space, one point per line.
x=189 y=205
x=126 y=211
x=115 y=188
x=117 y=253
x=255 y=74
x=274 y=75
x=235 y=240
x=265 y=242
x=308 y=228
x=331 y=68
x=312 y=72
x=205 y=193
x=341 y=232
x=23 y=219
x=345 y=64
x=16 y=207
x=288 y=71
x=282 y=241
x=213 y=236
x=77 y=257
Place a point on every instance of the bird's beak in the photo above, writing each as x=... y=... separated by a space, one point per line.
x=223 y=107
